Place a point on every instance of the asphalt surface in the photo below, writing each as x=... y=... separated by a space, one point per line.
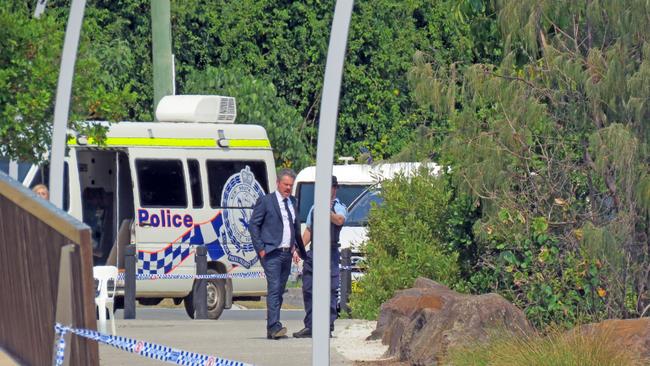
x=153 y=313
x=239 y=335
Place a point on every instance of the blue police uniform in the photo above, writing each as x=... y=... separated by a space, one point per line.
x=335 y=259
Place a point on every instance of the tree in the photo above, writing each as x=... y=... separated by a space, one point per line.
x=258 y=103
x=30 y=64
x=552 y=143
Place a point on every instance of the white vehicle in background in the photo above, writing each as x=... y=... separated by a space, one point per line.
x=190 y=179
x=356 y=182
x=355 y=231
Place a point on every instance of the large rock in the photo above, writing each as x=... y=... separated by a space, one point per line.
x=419 y=324
x=633 y=334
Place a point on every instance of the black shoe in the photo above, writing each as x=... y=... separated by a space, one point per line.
x=303 y=333
x=277 y=334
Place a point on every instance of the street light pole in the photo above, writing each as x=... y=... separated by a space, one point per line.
x=62 y=105
x=324 y=162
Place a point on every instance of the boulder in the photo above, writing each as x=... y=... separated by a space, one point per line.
x=633 y=334
x=420 y=324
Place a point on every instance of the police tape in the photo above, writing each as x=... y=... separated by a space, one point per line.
x=145 y=349
x=217 y=276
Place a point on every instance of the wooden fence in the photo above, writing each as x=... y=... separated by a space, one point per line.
x=33 y=235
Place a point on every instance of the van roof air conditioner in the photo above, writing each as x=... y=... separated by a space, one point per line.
x=197 y=108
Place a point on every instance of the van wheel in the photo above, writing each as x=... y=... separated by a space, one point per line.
x=216 y=294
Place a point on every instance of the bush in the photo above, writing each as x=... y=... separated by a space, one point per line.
x=406 y=239
x=556 y=349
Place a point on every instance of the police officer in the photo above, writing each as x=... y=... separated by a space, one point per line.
x=338 y=213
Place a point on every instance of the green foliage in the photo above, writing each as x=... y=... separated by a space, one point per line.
x=258 y=103
x=285 y=44
x=30 y=62
x=552 y=142
x=396 y=254
x=556 y=349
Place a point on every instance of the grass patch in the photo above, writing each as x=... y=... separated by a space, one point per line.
x=555 y=349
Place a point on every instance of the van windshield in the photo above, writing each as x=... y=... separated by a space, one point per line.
x=346 y=193
x=358 y=213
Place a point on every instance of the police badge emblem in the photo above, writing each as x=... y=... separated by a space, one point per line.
x=240 y=192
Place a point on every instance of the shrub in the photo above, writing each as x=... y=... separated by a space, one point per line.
x=406 y=239
x=555 y=349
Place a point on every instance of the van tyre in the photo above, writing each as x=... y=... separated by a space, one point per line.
x=216 y=294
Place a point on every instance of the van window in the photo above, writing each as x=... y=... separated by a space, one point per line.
x=220 y=170
x=346 y=194
x=195 y=183
x=161 y=183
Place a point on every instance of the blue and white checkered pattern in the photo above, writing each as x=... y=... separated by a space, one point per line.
x=60 y=345
x=145 y=349
x=142 y=276
x=165 y=260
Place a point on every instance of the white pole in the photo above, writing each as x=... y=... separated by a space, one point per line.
x=40 y=8
x=62 y=106
x=13 y=169
x=324 y=162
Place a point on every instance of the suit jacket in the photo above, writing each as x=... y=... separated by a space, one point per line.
x=266 y=225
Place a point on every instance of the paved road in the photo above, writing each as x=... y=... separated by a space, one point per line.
x=239 y=335
x=154 y=313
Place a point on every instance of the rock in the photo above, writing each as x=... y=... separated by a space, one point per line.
x=420 y=324
x=633 y=334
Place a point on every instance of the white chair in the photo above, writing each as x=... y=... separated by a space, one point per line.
x=106 y=281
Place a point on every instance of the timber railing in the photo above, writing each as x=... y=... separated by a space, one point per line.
x=45 y=277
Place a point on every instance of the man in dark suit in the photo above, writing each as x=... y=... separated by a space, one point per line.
x=275 y=232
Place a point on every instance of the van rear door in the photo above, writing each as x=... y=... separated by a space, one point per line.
x=163 y=219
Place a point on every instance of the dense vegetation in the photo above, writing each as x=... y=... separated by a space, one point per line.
x=551 y=146
x=280 y=44
x=539 y=109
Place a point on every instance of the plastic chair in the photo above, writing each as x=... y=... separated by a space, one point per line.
x=106 y=280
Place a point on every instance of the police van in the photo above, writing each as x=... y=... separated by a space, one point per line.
x=190 y=179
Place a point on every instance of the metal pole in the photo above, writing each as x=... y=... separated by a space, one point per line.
x=13 y=169
x=40 y=8
x=62 y=105
x=346 y=279
x=161 y=42
x=129 y=282
x=200 y=292
x=324 y=162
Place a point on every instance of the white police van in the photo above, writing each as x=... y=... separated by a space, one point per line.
x=190 y=179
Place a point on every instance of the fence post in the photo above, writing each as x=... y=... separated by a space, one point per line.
x=346 y=278
x=129 y=282
x=64 y=300
x=200 y=290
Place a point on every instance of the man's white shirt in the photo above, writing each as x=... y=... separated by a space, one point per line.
x=286 y=228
